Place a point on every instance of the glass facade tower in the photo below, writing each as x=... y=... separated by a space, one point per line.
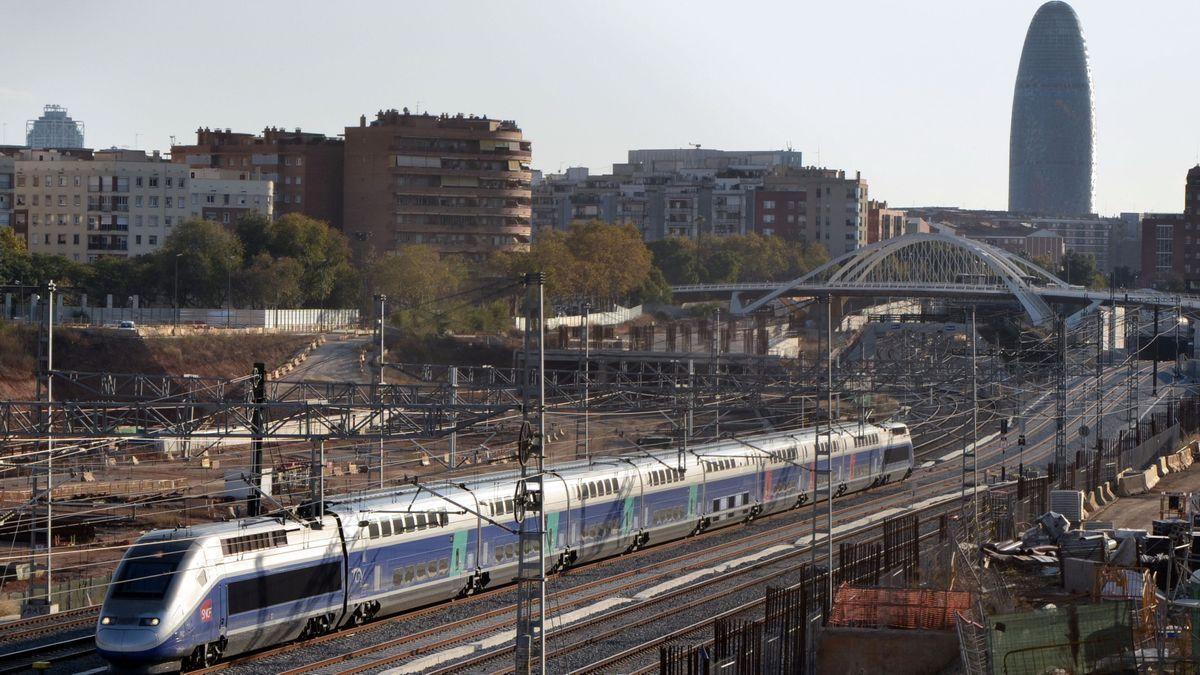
x=1051 y=144
x=54 y=129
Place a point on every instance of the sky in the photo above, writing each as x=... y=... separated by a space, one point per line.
x=917 y=95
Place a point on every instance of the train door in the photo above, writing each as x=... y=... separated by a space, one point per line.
x=693 y=498
x=552 y=543
x=458 y=553
x=628 y=517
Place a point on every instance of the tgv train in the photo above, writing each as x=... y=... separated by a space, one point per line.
x=186 y=598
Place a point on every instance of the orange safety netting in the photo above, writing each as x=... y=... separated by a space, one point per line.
x=898 y=607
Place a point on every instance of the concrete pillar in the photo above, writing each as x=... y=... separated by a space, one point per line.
x=8 y=305
x=135 y=301
x=108 y=301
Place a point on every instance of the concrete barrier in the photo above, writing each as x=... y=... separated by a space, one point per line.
x=1188 y=457
x=1174 y=463
x=1089 y=503
x=1131 y=484
x=1160 y=467
x=1109 y=493
x=1151 y=477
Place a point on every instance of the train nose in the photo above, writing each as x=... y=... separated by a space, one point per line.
x=133 y=639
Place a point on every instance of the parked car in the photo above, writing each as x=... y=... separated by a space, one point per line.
x=127 y=325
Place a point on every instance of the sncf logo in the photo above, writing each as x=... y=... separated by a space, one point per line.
x=206 y=611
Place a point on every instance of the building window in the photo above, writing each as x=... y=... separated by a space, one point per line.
x=297 y=199
x=137 y=239
x=299 y=161
x=170 y=182
x=153 y=240
x=167 y=221
x=75 y=239
x=137 y=181
x=768 y=204
x=153 y=182
x=1163 y=248
x=137 y=201
x=297 y=180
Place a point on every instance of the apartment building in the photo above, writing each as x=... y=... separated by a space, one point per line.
x=1171 y=242
x=817 y=205
x=884 y=223
x=305 y=167
x=83 y=205
x=458 y=183
x=1089 y=235
x=661 y=194
x=224 y=195
x=7 y=167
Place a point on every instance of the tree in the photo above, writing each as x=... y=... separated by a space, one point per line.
x=1123 y=277
x=1080 y=268
x=418 y=283
x=678 y=259
x=14 y=258
x=591 y=260
x=322 y=252
x=269 y=283
x=207 y=255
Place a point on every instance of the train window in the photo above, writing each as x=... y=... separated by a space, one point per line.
x=397 y=524
x=443 y=518
x=894 y=454
x=409 y=524
x=385 y=528
x=410 y=574
x=274 y=589
x=591 y=489
x=443 y=564
x=373 y=529
x=149 y=569
x=421 y=521
x=431 y=568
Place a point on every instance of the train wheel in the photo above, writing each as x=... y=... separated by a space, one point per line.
x=196 y=660
x=212 y=654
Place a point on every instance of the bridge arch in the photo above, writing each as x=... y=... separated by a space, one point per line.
x=926 y=264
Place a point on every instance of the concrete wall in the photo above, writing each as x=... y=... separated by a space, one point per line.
x=883 y=650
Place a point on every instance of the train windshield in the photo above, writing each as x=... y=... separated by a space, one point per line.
x=149 y=569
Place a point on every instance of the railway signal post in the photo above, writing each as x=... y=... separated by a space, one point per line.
x=531 y=562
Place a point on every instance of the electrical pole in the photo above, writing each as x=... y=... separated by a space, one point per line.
x=1154 y=355
x=175 y=297
x=50 y=450
x=531 y=566
x=1131 y=384
x=1060 y=405
x=1099 y=381
x=257 y=429
x=717 y=375
x=829 y=447
x=382 y=423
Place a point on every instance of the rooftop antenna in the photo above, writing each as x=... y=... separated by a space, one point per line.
x=695 y=145
x=172 y=140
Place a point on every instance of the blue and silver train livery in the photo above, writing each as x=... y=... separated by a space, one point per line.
x=188 y=597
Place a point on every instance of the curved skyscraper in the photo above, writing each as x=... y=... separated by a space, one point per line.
x=1051 y=144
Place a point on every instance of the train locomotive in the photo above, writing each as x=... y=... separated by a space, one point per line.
x=188 y=597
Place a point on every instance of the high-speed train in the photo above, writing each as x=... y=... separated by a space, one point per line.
x=187 y=597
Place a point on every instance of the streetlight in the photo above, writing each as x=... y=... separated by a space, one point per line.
x=229 y=291
x=175 y=297
x=382 y=298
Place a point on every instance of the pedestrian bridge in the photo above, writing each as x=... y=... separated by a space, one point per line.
x=933 y=265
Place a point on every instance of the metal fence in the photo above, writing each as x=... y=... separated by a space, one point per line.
x=275 y=320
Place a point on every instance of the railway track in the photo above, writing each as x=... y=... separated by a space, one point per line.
x=47 y=624
x=23 y=660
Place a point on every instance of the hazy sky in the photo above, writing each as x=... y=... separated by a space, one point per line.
x=915 y=94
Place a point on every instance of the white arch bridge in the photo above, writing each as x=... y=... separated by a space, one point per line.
x=935 y=265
